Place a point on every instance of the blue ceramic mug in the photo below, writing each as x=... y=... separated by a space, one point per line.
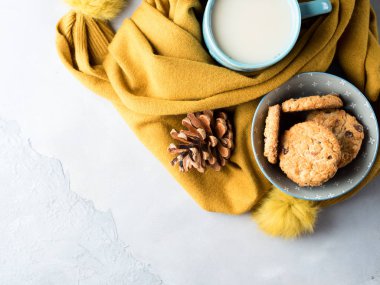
x=299 y=11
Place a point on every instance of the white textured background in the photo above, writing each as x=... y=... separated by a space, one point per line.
x=144 y=229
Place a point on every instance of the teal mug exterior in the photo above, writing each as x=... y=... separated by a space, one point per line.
x=302 y=11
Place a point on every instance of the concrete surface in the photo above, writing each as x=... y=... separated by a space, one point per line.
x=158 y=221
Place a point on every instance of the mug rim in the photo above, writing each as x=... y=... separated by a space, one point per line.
x=219 y=55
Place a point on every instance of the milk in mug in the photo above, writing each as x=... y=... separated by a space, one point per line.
x=253 y=31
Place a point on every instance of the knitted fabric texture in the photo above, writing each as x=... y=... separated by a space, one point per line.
x=155 y=70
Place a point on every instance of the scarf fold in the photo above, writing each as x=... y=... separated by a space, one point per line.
x=156 y=69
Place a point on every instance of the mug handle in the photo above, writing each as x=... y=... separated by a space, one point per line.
x=315 y=8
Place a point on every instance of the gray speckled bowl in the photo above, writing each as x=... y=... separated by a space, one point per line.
x=355 y=103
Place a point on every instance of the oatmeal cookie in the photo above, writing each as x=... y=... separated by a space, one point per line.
x=312 y=103
x=310 y=154
x=346 y=128
x=271 y=133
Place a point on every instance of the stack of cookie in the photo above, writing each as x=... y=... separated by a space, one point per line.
x=312 y=151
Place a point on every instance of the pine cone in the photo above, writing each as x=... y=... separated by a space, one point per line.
x=207 y=142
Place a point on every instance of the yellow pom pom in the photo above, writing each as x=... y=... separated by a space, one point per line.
x=284 y=216
x=99 y=9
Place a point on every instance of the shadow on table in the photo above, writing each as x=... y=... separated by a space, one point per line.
x=361 y=211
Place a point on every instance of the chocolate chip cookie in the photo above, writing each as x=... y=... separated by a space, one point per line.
x=271 y=133
x=312 y=103
x=310 y=154
x=345 y=127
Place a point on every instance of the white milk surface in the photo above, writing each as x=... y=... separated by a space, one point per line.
x=253 y=31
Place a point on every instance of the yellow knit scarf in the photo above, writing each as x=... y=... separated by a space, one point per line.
x=155 y=69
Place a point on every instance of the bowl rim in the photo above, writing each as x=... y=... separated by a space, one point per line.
x=373 y=159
